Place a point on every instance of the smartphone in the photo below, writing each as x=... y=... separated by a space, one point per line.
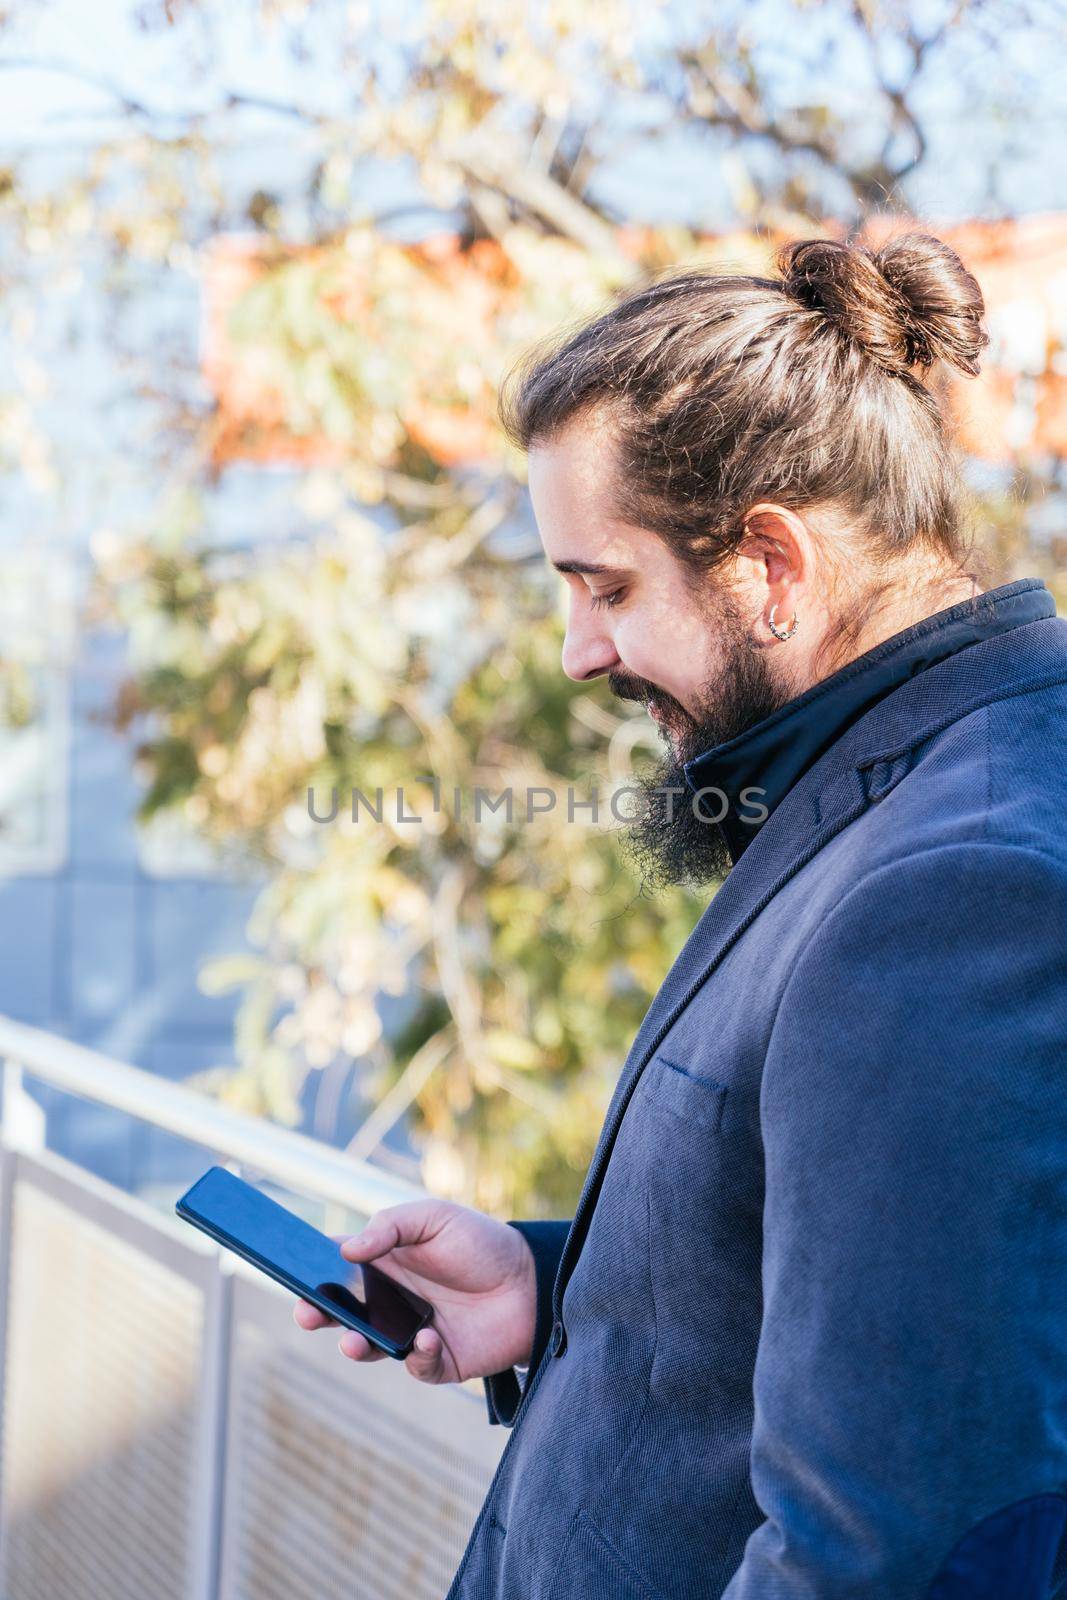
x=306 y=1261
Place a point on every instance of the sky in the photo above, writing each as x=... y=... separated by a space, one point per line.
x=228 y=48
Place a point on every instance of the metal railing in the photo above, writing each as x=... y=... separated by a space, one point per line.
x=167 y=1430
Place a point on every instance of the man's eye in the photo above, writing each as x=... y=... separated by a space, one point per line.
x=605 y=599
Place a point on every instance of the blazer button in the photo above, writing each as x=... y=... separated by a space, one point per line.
x=559 y=1338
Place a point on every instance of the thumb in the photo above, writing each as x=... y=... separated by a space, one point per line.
x=370 y=1242
x=396 y=1225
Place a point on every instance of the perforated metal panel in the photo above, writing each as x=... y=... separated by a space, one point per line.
x=100 y=1405
x=155 y=1406
x=343 y=1479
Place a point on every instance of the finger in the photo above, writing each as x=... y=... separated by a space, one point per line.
x=357 y=1348
x=425 y=1360
x=305 y=1315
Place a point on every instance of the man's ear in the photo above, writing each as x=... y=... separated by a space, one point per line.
x=777 y=544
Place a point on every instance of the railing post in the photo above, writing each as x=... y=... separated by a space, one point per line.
x=23 y=1126
x=23 y=1123
x=7 y=1194
x=210 y=1475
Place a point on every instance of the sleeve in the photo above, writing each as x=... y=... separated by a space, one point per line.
x=910 y=1388
x=502 y=1389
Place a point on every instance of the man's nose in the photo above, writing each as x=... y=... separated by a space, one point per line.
x=587 y=650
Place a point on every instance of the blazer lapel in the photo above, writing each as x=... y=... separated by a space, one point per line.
x=796 y=830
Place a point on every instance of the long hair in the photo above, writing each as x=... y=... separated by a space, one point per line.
x=721 y=390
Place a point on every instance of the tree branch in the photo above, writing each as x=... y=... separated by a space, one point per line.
x=127 y=103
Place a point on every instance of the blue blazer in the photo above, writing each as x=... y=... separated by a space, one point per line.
x=806 y=1335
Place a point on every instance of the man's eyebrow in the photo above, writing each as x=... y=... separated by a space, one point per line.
x=595 y=568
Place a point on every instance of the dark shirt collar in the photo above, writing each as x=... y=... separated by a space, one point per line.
x=750 y=774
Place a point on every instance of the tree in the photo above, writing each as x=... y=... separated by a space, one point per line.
x=410 y=641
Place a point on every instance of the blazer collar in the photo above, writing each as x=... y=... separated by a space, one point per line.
x=752 y=773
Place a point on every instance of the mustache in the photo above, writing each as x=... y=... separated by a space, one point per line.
x=626 y=687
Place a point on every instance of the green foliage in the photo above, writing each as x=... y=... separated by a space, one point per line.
x=523 y=944
x=384 y=652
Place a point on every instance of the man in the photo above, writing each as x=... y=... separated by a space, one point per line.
x=806 y=1335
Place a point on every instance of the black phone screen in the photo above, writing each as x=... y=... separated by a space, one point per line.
x=291 y=1251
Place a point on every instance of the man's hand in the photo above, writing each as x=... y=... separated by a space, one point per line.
x=477 y=1273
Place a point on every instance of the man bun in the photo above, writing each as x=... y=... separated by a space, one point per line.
x=910 y=303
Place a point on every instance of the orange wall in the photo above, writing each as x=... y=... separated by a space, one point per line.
x=1015 y=408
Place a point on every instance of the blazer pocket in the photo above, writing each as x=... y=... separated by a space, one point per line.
x=592 y=1569
x=668 y=1086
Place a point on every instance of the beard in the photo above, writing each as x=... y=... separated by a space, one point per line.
x=666 y=841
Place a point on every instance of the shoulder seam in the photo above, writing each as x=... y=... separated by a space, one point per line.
x=983 y=845
x=945 y=719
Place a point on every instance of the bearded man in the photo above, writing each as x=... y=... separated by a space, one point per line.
x=805 y=1337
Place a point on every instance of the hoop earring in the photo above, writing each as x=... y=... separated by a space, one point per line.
x=780 y=632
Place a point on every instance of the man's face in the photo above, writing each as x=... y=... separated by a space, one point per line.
x=692 y=659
